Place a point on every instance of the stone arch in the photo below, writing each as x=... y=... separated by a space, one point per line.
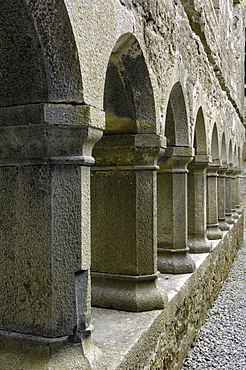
x=200 y=140
x=235 y=156
x=128 y=96
x=39 y=60
x=223 y=149
x=230 y=154
x=215 y=144
x=176 y=126
x=123 y=186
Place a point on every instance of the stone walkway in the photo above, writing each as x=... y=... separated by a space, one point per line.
x=221 y=343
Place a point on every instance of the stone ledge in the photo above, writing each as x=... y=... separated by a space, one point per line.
x=161 y=338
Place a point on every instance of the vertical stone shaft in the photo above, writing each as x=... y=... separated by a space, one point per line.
x=223 y=225
x=197 y=195
x=45 y=218
x=234 y=191
x=228 y=205
x=238 y=196
x=213 y=231
x=124 y=237
x=172 y=227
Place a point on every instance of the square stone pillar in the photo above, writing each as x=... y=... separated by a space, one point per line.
x=234 y=193
x=172 y=227
x=223 y=225
x=124 y=235
x=197 y=200
x=213 y=231
x=45 y=220
x=228 y=205
x=238 y=192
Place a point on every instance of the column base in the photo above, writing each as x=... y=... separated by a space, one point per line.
x=229 y=219
x=127 y=292
x=235 y=215
x=223 y=225
x=27 y=352
x=199 y=244
x=239 y=210
x=173 y=261
x=213 y=232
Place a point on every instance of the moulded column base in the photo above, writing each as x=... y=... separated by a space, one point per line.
x=39 y=353
x=223 y=225
x=229 y=219
x=239 y=210
x=213 y=232
x=127 y=292
x=235 y=215
x=199 y=244
x=175 y=261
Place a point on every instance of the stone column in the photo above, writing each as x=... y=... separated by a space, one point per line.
x=45 y=220
x=238 y=194
x=234 y=193
x=223 y=225
x=213 y=231
x=197 y=200
x=124 y=235
x=172 y=228
x=228 y=205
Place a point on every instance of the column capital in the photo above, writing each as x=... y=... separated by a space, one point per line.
x=212 y=169
x=223 y=169
x=200 y=163
x=39 y=133
x=128 y=151
x=176 y=159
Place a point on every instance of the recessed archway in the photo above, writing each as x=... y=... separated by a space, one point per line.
x=176 y=126
x=128 y=96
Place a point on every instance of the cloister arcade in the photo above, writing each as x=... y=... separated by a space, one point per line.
x=111 y=175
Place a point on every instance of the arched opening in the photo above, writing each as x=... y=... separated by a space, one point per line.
x=197 y=240
x=200 y=140
x=123 y=186
x=172 y=228
x=176 y=126
x=213 y=231
x=221 y=184
x=223 y=149
x=230 y=157
x=128 y=96
x=215 y=145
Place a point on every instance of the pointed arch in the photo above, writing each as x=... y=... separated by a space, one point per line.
x=128 y=96
x=230 y=158
x=215 y=144
x=235 y=156
x=223 y=149
x=200 y=140
x=176 y=127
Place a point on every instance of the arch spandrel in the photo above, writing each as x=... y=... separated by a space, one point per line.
x=128 y=96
